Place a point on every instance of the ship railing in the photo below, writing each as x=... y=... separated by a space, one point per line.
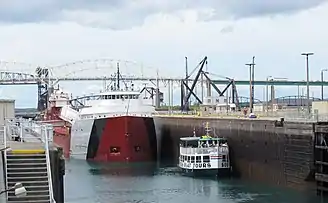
x=190 y=150
x=3 y=149
x=116 y=114
x=30 y=131
x=25 y=130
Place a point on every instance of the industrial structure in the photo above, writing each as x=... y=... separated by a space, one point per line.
x=187 y=91
x=45 y=79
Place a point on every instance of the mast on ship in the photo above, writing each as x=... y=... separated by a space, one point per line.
x=118 y=76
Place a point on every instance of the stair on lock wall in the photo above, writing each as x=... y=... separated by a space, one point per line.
x=30 y=169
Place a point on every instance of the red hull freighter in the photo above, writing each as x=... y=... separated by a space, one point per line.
x=112 y=126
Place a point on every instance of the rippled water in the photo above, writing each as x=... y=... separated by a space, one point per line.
x=91 y=183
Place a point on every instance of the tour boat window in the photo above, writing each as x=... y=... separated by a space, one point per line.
x=206 y=159
x=117 y=96
x=130 y=96
x=192 y=143
x=126 y=96
x=192 y=159
x=137 y=148
x=198 y=159
x=188 y=159
x=224 y=157
x=115 y=150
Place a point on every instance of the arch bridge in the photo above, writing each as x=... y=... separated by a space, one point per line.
x=87 y=70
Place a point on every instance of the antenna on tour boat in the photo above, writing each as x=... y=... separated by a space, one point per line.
x=207 y=129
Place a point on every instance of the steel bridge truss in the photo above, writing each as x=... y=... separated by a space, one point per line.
x=19 y=78
x=40 y=77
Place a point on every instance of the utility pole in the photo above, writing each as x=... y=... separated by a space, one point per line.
x=267 y=93
x=323 y=70
x=298 y=98
x=253 y=72
x=307 y=81
x=251 y=84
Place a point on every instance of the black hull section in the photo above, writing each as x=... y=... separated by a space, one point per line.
x=207 y=173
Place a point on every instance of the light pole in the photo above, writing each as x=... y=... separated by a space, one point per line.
x=251 y=76
x=253 y=72
x=298 y=98
x=307 y=80
x=323 y=70
x=267 y=93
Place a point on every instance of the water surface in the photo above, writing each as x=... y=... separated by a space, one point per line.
x=103 y=183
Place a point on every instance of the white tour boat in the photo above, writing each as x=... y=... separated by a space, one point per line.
x=204 y=155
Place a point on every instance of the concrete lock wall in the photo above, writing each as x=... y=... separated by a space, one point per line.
x=261 y=150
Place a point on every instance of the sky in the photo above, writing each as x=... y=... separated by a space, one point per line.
x=158 y=35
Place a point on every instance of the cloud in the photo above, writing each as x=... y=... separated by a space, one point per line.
x=124 y=14
x=59 y=35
